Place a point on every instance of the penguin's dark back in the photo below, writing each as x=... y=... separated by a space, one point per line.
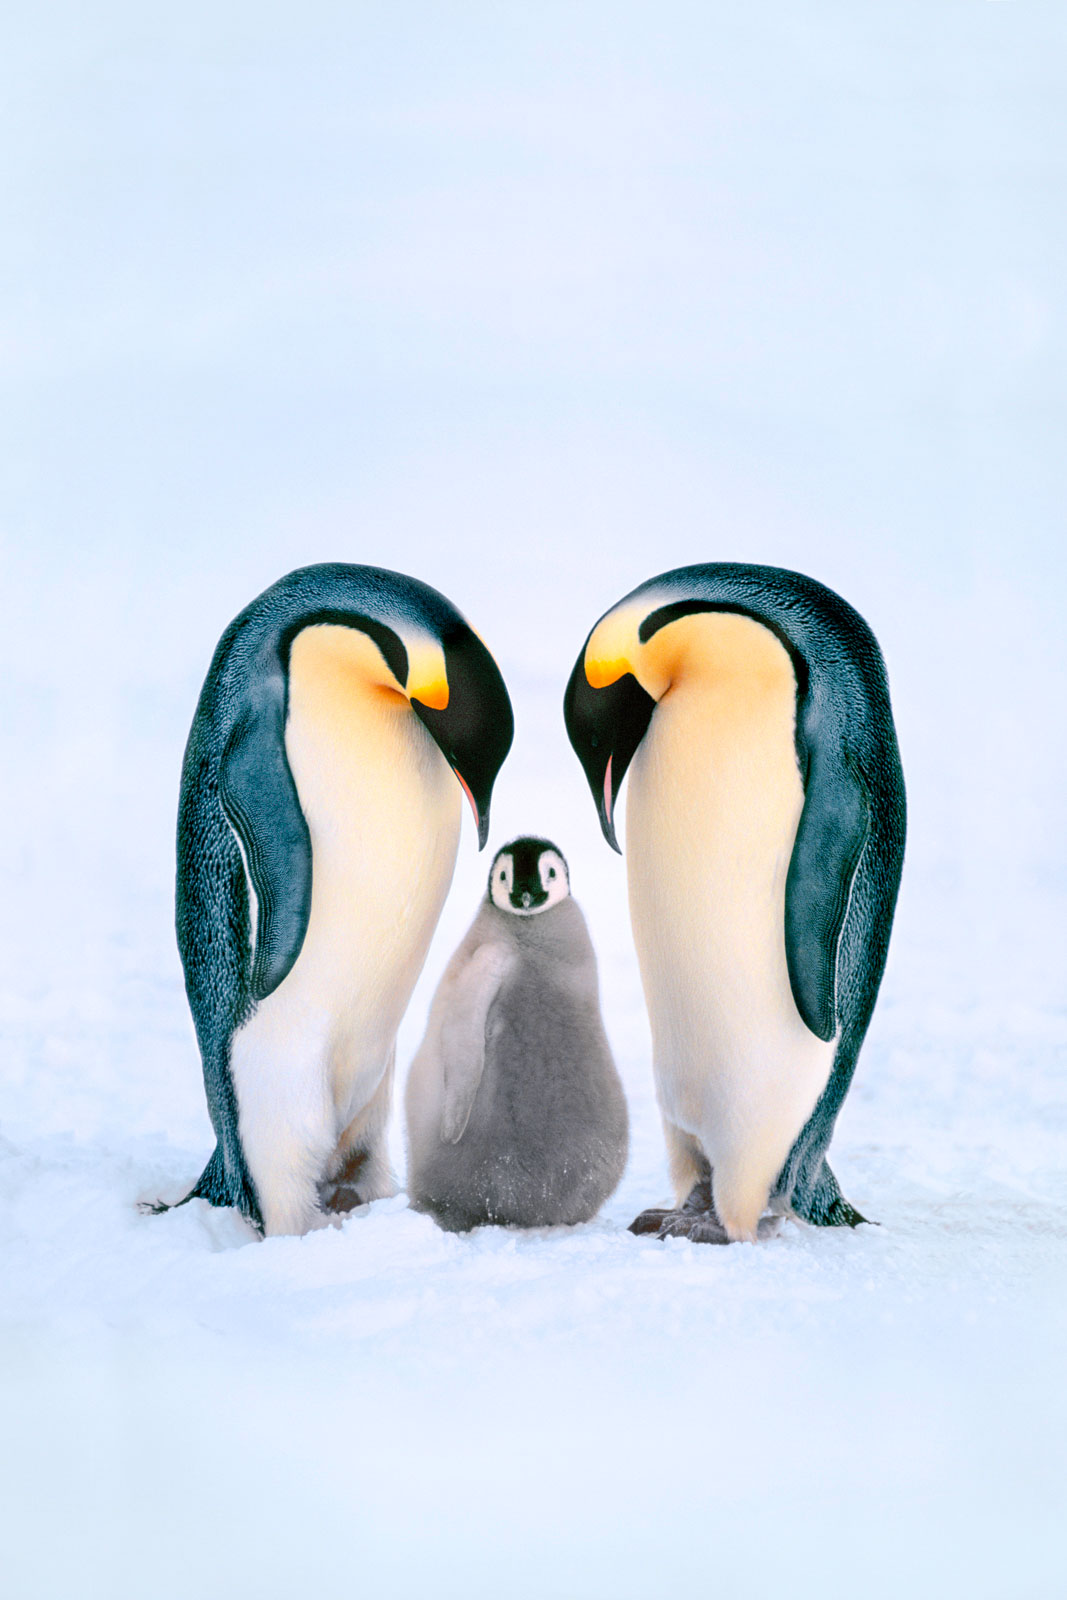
x=842 y=701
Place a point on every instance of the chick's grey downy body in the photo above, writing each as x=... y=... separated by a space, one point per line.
x=515 y=1111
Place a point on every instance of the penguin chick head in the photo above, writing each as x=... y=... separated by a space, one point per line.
x=527 y=876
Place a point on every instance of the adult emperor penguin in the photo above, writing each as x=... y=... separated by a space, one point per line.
x=765 y=835
x=515 y=1112
x=317 y=833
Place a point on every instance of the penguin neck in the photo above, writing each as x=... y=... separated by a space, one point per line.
x=714 y=788
x=719 y=758
x=723 y=655
x=540 y=931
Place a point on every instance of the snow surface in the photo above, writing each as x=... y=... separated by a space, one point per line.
x=533 y=303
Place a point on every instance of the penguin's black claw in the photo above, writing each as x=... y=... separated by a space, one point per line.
x=700 y=1227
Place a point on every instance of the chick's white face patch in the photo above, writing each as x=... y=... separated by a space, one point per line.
x=554 y=878
x=500 y=881
x=531 y=886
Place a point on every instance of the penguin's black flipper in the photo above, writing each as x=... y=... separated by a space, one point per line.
x=260 y=801
x=826 y=852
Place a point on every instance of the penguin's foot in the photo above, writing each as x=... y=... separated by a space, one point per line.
x=700 y=1227
x=703 y=1227
x=651 y=1221
x=340 y=1198
x=362 y=1178
x=341 y=1194
x=697 y=1220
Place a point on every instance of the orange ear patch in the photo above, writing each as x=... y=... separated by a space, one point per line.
x=427 y=673
x=601 y=673
x=433 y=694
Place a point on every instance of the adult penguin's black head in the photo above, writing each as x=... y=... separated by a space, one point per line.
x=605 y=726
x=607 y=711
x=467 y=711
x=634 y=656
x=429 y=654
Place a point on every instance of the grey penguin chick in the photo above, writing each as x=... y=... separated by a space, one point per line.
x=515 y=1111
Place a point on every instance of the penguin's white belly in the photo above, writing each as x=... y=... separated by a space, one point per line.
x=714 y=801
x=383 y=812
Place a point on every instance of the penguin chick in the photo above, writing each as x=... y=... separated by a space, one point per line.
x=515 y=1111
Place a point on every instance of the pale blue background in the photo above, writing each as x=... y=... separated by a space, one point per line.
x=533 y=301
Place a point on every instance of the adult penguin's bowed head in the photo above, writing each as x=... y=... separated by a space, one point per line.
x=764 y=836
x=344 y=712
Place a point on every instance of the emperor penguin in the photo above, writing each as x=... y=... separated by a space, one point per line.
x=765 y=835
x=515 y=1112
x=344 y=712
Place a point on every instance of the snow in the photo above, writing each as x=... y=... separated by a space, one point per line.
x=533 y=303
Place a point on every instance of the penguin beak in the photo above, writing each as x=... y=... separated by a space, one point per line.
x=481 y=816
x=606 y=809
x=605 y=726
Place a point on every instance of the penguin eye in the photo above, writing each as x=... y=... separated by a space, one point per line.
x=552 y=872
x=503 y=875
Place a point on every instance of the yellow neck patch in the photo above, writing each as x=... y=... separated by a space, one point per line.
x=614 y=649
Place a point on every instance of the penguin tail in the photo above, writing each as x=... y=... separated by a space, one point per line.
x=219 y=1187
x=843 y=1215
x=824 y=1206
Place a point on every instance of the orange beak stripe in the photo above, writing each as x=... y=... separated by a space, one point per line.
x=470 y=797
